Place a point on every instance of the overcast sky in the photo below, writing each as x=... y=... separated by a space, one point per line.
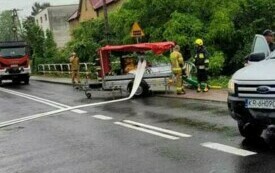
x=26 y=5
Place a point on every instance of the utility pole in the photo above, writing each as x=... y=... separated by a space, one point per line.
x=106 y=20
x=16 y=22
x=14 y=27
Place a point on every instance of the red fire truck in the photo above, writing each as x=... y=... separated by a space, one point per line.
x=14 y=62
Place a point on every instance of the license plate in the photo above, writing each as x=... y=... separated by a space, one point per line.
x=14 y=66
x=260 y=103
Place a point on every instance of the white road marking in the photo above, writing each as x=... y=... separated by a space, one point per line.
x=102 y=117
x=139 y=74
x=158 y=129
x=79 y=111
x=31 y=96
x=228 y=149
x=147 y=131
x=41 y=100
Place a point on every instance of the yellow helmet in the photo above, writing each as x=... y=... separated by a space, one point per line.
x=199 y=42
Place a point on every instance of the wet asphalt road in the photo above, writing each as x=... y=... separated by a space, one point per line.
x=72 y=142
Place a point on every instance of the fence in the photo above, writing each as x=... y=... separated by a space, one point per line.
x=64 y=68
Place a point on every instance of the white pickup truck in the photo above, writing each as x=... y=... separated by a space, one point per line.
x=251 y=98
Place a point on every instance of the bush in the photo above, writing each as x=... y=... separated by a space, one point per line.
x=216 y=63
x=221 y=81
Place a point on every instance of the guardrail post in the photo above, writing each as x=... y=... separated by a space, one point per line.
x=61 y=68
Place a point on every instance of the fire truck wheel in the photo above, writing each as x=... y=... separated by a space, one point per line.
x=27 y=81
x=142 y=91
x=16 y=81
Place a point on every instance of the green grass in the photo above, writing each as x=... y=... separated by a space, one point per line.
x=219 y=81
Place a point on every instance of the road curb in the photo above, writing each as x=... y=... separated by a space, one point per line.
x=48 y=81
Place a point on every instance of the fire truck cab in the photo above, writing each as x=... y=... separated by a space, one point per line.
x=14 y=62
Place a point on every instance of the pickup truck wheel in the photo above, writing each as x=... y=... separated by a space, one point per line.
x=142 y=91
x=249 y=130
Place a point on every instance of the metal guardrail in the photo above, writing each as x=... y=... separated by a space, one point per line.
x=85 y=68
x=64 y=68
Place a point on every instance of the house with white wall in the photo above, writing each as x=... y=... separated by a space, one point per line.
x=54 y=18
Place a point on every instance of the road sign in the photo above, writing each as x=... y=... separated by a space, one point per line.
x=136 y=31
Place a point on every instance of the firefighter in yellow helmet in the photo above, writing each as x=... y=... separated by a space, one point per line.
x=177 y=65
x=202 y=63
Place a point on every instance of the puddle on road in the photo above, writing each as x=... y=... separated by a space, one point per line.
x=171 y=153
x=202 y=125
x=4 y=131
x=154 y=115
x=12 y=128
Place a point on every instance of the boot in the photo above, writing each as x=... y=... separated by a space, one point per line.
x=199 y=88
x=205 y=89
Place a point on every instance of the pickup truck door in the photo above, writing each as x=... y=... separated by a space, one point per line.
x=260 y=45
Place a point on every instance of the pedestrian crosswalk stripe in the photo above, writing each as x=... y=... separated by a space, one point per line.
x=147 y=131
x=79 y=111
x=102 y=117
x=157 y=129
x=228 y=149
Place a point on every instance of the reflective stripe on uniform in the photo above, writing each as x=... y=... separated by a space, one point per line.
x=201 y=55
x=202 y=67
x=176 y=70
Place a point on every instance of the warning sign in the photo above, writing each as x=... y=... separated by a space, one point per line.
x=136 y=30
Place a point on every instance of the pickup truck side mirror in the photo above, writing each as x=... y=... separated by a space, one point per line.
x=255 y=57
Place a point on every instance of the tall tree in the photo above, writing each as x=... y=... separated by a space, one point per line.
x=6 y=25
x=50 y=46
x=34 y=35
x=37 y=7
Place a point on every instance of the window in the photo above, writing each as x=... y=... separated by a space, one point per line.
x=13 y=52
x=260 y=45
x=46 y=17
x=41 y=19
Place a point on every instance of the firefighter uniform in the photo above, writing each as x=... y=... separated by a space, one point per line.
x=177 y=64
x=201 y=63
x=74 y=60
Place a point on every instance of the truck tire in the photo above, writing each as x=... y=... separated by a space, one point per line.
x=27 y=81
x=88 y=95
x=16 y=81
x=142 y=91
x=249 y=130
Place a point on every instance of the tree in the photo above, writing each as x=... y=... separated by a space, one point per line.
x=37 y=7
x=50 y=48
x=6 y=25
x=227 y=27
x=87 y=39
x=34 y=35
x=183 y=28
